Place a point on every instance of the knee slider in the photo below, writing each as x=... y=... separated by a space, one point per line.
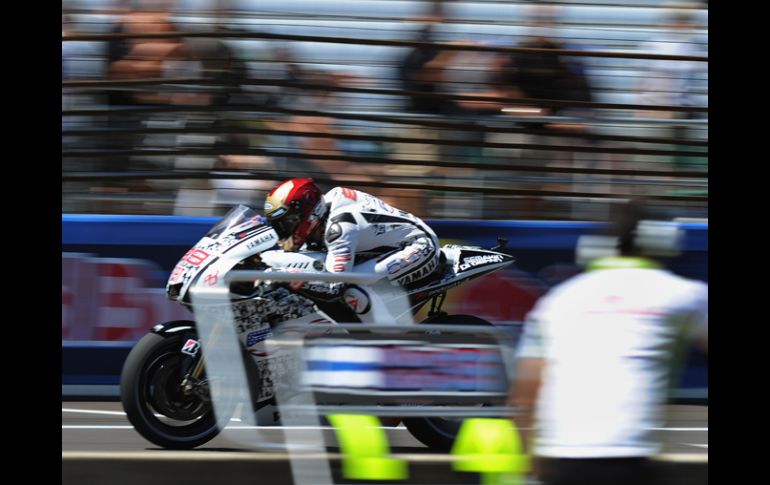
x=356 y=299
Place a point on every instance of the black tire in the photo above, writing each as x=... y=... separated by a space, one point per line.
x=440 y=433
x=148 y=379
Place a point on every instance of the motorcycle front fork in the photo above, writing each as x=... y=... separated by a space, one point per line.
x=193 y=382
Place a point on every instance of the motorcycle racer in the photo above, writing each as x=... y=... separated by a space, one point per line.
x=360 y=233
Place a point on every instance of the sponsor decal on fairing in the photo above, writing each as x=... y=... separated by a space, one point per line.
x=479 y=260
x=420 y=273
x=269 y=236
x=257 y=336
x=191 y=347
x=212 y=279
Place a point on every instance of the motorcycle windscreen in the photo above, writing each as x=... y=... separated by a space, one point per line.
x=237 y=219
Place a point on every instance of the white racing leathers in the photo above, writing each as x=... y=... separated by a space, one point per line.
x=366 y=235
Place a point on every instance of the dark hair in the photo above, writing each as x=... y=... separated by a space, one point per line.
x=681 y=16
x=624 y=218
x=426 y=33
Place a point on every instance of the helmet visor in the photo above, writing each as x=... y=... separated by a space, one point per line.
x=285 y=225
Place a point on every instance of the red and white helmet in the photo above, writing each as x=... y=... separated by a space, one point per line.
x=295 y=209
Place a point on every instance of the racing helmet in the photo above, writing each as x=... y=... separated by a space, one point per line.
x=295 y=209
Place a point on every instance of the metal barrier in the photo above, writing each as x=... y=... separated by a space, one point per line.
x=296 y=400
x=294 y=336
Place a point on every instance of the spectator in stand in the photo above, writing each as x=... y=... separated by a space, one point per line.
x=537 y=75
x=676 y=83
x=420 y=73
x=218 y=62
x=547 y=76
x=553 y=77
x=430 y=75
x=71 y=99
x=150 y=58
x=315 y=134
x=139 y=58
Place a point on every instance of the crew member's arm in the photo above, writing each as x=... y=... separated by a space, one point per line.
x=701 y=318
x=523 y=397
x=526 y=382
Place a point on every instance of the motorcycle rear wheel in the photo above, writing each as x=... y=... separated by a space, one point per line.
x=435 y=432
x=152 y=397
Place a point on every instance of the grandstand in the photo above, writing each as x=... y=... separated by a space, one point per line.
x=367 y=38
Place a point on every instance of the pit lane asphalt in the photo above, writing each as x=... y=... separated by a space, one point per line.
x=100 y=446
x=102 y=426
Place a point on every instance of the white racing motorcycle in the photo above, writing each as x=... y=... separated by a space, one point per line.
x=164 y=387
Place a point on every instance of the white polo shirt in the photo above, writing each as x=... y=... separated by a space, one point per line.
x=610 y=339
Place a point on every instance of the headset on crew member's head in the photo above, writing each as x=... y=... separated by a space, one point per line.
x=631 y=233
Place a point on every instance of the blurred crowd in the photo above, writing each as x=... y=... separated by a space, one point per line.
x=190 y=127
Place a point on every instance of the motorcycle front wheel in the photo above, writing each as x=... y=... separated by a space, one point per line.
x=152 y=396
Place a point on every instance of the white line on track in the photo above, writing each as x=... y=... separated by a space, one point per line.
x=679 y=429
x=238 y=420
x=105 y=426
x=121 y=413
x=94 y=426
x=108 y=413
x=119 y=426
x=93 y=411
x=171 y=455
